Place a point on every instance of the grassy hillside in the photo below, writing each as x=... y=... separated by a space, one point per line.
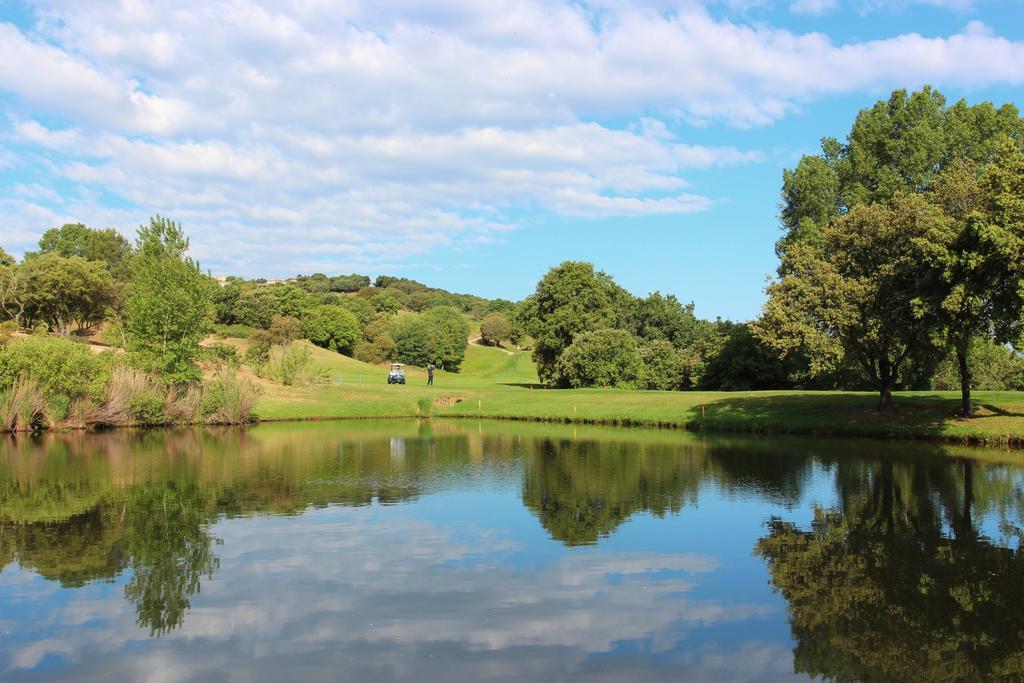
x=497 y=384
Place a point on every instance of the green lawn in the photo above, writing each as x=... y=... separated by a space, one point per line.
x=495 y=384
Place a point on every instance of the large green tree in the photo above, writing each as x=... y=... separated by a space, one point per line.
x=331 y=327
x=168 y=310
x=914 y=143
x=570 y=299
x=437 y=336
x=495 y=327
x=857 y=295
x=105 y=245
x=449 y=335
x=900 y=145
x=976 y=256
x=64 y=293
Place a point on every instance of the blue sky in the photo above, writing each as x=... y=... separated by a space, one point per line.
x=468 y=145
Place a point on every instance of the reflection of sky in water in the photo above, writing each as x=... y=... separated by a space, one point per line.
x=482 y=566
x=459 y=585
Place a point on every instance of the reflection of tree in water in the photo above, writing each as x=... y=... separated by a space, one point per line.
x=897 y=584
x=159 y=531
x=583 y=490
x=72 y=523
x=170 y=551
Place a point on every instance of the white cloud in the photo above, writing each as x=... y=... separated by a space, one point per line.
x=288 y=136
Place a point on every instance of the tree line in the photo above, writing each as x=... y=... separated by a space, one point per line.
x=901 y=267
x=904 y=244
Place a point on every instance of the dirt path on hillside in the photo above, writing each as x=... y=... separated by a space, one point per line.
x=488 y=346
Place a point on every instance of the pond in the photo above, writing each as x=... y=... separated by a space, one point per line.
x=465 y=551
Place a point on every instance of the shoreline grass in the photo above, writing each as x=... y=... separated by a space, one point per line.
x=496 y=385
x=920 y=416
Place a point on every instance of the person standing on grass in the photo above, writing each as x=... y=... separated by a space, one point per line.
x=430 y=375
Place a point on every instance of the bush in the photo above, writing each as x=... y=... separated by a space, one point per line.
x=221 y=353
x=294 y=360
x=292 y=365
x=380 y=350
x=260 y=344
x=602 y=358
x=424 y=405
x=332 y=327
x=664 y=366
x=147 y=409
x=7 y=330
x=57 y=408
x=56 y=365
x=284 y=329
x=229 y=399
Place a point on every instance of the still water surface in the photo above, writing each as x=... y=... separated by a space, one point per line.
x=504 y=552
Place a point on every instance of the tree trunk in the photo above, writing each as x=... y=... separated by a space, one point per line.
x=965 y=383
x=885 y=383
x=885 y=397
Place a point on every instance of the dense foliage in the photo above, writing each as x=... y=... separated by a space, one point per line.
x=60 y=367
x=602 y=358
x=168 y=310
x=956 y=173
x=331 y=327
x=438 y=336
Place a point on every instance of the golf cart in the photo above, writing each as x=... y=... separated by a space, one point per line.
x=397 y=375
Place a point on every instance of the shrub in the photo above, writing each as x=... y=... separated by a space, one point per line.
x=183 y=405
x=147 y=409
x=222 y=353
x=664 y=366
x=7 y=330
x=229 y=399
x=123 y=397
x=292 y=365
x=425 y=405
x=260 y=344
x=56 y=365
x=602 y=358
x=284 y=329
x=380 y=350
x=294 y=360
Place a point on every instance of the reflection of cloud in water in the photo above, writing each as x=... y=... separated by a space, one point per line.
x=369 y=594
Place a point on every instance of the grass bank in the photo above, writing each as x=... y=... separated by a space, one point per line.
x=496 y=384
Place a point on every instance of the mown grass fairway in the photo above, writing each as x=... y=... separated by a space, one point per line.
x=496 y=384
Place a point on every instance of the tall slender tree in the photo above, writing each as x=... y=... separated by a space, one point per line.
x=168 y=310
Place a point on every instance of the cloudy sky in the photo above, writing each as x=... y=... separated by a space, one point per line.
x=467 y=144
